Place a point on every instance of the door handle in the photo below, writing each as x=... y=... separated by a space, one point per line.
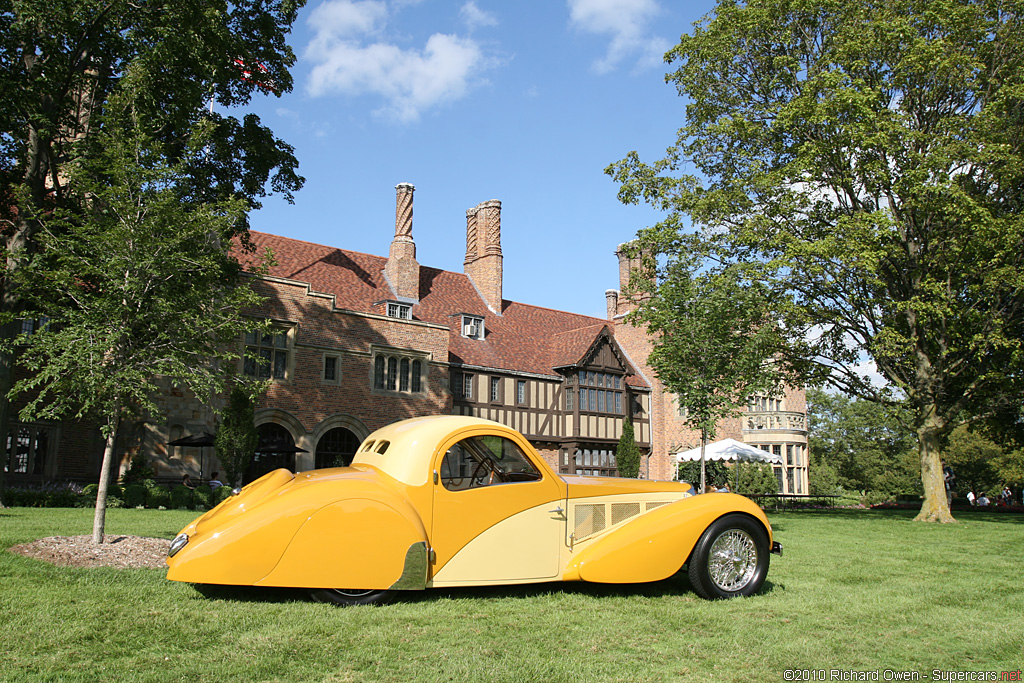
x=558 y=510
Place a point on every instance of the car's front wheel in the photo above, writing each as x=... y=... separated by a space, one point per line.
x=347 y=598
x=730 y=559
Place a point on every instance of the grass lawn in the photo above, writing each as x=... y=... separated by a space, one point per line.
x=861 y=591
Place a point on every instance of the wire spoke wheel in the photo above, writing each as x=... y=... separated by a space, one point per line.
x=733 y=560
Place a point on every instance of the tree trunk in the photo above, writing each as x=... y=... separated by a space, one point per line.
x=99 y=519
x=703 y=474
x=6 y=382
x=935 y=507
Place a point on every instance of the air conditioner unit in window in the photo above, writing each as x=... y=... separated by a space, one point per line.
x=472 y=330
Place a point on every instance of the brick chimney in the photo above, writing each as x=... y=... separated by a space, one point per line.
x=611 y=298
x=631 y=275
x=483 y=251
x=402 y=270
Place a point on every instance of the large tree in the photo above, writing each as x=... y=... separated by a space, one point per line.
x=868 y=159
x=62 y=64
x=141 y=290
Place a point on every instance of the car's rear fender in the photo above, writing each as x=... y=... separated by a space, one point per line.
x=655 y=545
x=292 y=535
x=366 y=542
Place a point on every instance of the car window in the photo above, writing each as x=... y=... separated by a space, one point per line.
x=485 y=461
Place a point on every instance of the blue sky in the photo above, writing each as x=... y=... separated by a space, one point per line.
x=470 y=100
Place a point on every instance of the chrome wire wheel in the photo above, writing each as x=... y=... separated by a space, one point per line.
x=732 y=560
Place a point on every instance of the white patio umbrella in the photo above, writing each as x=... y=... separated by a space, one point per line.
x=729 y=449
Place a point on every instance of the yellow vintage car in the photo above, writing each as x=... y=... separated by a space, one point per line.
x=461 y=501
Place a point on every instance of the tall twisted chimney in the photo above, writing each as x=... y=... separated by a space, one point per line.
x=483 y=251
x=402 y=270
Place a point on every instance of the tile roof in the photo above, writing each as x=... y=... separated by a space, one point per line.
x=523 y=338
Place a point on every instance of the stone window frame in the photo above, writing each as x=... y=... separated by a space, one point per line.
x=336 y=358
x=398 y=372
x=473 y=326
x=250 y=369
x=396 y=309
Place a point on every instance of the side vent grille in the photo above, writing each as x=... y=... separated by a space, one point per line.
x=589 y=520
x=623 y=511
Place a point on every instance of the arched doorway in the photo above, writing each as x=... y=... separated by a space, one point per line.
x=274 y=449
x=336 y=448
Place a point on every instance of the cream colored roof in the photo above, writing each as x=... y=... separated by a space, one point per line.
x=412 y=444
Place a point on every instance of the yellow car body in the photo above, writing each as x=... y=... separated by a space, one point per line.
x=460 y=501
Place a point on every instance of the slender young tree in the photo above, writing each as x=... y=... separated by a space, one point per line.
x=141 y=290
x=865 y=160
x=236 y=435
x=714 y=341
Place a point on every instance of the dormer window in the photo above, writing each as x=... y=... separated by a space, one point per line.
x=472 y=327
x=396 y=310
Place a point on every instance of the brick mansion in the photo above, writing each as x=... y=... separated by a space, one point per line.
x=359 y=341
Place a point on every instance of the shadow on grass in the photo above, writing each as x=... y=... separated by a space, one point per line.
x=674 y=586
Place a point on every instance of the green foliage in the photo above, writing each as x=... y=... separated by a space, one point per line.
x=157 y=64
x=822 y=479
x=863 y=442
x=973 y=458
x=138 y=469
x=755 y=478
x=135 y=495
x=716 y=473
x=50 y=495
x=862 y=163
x=236 y=436
x=627 y=453
x=157 y=496
x=80 y=79
x=714 y=338
x=182 y=497
x=1010 y=466
x=139 y=286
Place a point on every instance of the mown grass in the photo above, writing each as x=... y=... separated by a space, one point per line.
x=855 y=591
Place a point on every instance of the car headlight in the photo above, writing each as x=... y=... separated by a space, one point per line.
x=179 y=542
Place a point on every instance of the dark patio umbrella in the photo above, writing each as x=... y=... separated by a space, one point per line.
x=279 y=447
x=200 y=440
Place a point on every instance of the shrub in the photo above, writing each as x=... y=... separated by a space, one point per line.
x=138 y=470
x=134 y=495
x=156 y=495
x=182 y=497
x=203 y=497
x=49 y=494
x=757 y=478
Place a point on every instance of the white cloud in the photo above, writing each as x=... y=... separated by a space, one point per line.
x=474 y=17
x=627 y=23
x=351 y=57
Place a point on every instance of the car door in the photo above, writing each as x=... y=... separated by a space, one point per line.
x=498 y=515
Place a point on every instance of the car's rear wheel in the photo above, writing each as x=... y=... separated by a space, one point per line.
x=731 y=558
x=347 y=597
